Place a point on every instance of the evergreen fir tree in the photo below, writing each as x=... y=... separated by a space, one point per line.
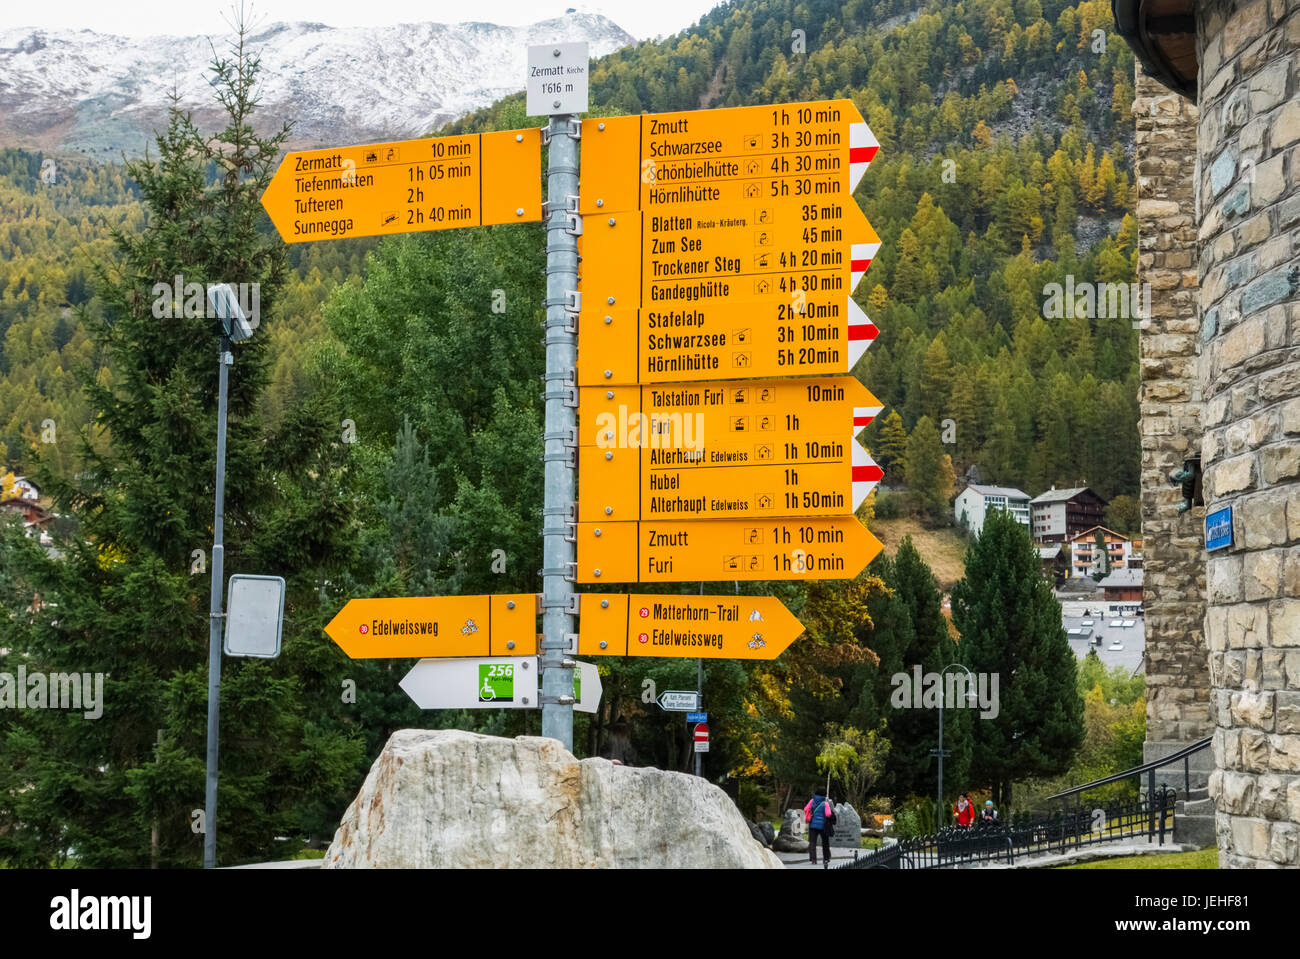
x=1010 y=626
x=132 y=586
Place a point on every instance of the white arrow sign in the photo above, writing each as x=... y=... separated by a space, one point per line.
x=507 y=682
x=586 y=682
x=680 y=701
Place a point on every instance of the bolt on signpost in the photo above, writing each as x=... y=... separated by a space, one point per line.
x=557 y=87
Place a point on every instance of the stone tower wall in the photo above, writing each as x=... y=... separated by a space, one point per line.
x=1248 y=187
x=1177 y=670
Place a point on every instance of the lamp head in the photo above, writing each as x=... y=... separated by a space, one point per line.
x=225 y=304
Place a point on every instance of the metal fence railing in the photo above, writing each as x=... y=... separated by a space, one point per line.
x=1150 y=818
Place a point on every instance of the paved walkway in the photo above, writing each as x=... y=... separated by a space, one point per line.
x=799 y=860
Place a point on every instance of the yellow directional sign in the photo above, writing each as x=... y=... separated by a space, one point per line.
x=655 y=161
x=708 y=416
x=426 y=626
x=730 y=549
x=723 y=339
x=407 y=186
x=705 y=627
x=780 y=252
x=752 y=448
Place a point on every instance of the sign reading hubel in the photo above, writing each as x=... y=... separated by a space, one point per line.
x=712 y=627
x=407 y=186
x=753 y=448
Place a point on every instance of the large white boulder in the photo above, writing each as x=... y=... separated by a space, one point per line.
x=452 y=799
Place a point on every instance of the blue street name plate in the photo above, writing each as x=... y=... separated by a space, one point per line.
x=1218 y=529
x=697 y=717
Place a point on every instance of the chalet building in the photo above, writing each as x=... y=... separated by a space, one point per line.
x=974 y=503
x=1054 y=562
x=36 y=520
x=1059 y=514
x=1083 y=550
x=1123 y=586
x=26 y=489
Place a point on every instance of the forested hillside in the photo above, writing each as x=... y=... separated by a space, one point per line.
x=388 y=431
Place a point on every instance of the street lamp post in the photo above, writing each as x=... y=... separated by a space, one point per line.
x=970 y=696
x=235 y=326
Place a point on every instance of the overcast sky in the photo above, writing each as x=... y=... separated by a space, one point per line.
x=147 y=17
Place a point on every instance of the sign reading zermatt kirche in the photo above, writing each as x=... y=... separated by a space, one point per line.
x=717 y=329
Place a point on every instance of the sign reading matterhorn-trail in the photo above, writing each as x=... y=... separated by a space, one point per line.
x=407 y=186
x=705 y=627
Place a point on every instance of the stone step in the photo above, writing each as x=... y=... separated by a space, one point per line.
x=1195 y=831
x=1196 y=807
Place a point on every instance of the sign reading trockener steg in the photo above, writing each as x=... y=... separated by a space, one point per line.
x=407 y=186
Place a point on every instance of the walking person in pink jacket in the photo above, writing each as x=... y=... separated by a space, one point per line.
x=819 y=814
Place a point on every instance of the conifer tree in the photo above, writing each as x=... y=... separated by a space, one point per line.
x=1010 y=626
x=892 y=448
x=132 y=587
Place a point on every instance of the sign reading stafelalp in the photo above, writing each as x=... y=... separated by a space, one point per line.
x=707 y=627
x=407 y=627
x=407 y=186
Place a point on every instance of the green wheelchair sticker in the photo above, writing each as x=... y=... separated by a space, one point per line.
x=496 y=683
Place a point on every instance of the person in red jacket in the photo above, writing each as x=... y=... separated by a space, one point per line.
x=964 y=811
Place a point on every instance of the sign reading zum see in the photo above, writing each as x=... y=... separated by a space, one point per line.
x=1218 y=529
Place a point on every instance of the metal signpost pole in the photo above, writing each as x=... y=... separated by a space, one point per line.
x=561 y=430
x=226 y=359
x=699 y=702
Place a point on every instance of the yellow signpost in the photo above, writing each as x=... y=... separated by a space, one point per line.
x=695 y=158
x=422 y=626
x=407 y=186
x=704 y=627
x=725 y=549
x=751 y=449
x=723 y=339
x=712 y=415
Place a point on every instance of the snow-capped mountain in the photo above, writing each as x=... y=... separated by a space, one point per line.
x=102 y=94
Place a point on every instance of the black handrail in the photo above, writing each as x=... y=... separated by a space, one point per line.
x=1136 y=770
